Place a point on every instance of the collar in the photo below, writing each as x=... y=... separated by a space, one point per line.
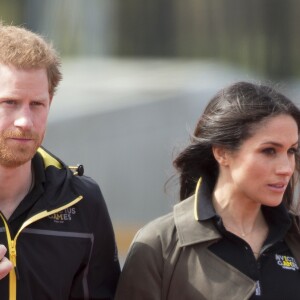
x=189 y=230
x=32 y=197
x=38 y=169
x=204 y=209
x=279 y=221
x=193 y=217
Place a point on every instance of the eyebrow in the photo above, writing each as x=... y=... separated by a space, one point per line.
x=278 y=144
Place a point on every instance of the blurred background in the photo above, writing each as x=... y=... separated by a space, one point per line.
x=137 y=75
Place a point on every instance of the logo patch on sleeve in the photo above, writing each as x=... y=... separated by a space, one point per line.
x=286 y=262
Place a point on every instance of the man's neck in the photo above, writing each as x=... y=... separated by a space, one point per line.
x=15 y=183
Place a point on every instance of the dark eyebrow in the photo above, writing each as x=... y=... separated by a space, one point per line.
x=278 y=144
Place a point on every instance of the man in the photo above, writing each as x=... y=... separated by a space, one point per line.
x=53 y=222
x=5 y=264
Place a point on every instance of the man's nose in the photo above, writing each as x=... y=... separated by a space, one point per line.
x=23 y=118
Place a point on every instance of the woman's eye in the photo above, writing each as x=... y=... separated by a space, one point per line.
x=293 y=151
x=269 y=151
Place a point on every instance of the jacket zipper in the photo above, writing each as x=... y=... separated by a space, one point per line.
x=12 y=243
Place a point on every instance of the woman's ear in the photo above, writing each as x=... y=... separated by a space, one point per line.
x=221 y=155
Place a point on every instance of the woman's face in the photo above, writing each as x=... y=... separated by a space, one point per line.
x=261 y=169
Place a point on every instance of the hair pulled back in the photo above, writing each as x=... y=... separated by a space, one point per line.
x=230 y=118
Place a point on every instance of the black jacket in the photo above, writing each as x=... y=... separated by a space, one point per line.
x=64 y=247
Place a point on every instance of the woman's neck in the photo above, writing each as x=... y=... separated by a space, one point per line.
x=239 y=214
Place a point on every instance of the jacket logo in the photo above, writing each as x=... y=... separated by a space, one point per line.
x=286 y=262
x=64 y=215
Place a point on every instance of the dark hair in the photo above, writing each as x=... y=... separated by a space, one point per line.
x=228 y=120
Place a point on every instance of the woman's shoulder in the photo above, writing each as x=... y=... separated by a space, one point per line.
x=157 y=229
x=163 y=230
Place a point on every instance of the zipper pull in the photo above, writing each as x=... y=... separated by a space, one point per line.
x=13 y=256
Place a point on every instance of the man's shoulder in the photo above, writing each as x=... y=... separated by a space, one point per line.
x=86 y=186
x=57 y=173
x=57 y=166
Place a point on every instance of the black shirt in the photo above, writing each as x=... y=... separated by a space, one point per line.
x=276 y=271
x=20 y=214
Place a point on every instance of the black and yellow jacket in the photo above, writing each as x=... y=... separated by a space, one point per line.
x=63 y=246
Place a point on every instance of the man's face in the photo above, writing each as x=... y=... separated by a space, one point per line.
x=24 y=108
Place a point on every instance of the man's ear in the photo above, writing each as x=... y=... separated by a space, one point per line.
x=221 y=155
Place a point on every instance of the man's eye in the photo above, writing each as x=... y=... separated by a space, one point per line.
x=9 y=102
x=36 y=103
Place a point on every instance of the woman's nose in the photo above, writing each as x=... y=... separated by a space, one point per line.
x=286 y=166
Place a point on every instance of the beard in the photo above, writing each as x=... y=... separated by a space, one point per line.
x=13 y=153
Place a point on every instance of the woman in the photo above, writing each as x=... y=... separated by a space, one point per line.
x=235 y=235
